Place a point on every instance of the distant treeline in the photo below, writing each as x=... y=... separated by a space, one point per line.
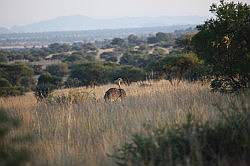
x=46 y=38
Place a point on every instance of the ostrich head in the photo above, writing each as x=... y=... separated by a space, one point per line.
x=118 y=82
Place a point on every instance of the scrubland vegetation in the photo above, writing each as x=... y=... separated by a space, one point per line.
x=187 y=98
x=84 y=132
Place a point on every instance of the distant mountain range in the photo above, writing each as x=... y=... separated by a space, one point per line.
x=79 y=22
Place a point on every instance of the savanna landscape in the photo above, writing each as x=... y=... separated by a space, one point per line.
x=87 y=131
x=177 y=98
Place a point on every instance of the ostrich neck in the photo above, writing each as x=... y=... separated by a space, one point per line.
x=119 y=84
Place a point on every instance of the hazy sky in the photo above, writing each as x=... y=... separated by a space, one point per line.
x=18 y=12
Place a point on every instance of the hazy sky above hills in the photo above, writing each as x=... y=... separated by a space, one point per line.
x=19 y=12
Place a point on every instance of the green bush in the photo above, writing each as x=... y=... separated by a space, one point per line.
x=90 y=73
x=12 y=91
x=42 y=91
x=15 y=79
x=134 y=58
x=46 y=85
x=72 y=82
x=28 y=83
x=47 y=78
x=4 y=83
x=14 y=72
x=58 y=70
x=185 y=66
x=109 y=56
x=227 y=85
x=225 y=141
x=129 y=73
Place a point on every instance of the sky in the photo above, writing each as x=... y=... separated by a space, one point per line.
x=21 y=12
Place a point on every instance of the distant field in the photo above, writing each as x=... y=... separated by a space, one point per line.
x=83 y=133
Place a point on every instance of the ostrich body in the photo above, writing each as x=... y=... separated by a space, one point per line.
x=114 y=94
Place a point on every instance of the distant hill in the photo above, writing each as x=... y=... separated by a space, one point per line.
x=4 y=30
x=78 y=23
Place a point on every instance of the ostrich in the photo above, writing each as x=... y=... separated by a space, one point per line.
x=114 y=94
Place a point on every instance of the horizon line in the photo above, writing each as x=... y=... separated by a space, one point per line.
x=98 y=18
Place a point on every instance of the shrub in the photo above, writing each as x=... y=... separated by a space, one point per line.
x=109 y=56
x=90 y=73
x=225 y=84
x=46 y=84
x=71 y=97
x=72 y=82
x=11 y=91
x=134 y=58
x=58 y=70
x=6 y=89
x=179 y=66
x=221 y=141
x=28 y=83
x=117 y=42
x=129 y=73
x=14 y=72
x=38 y=69
x=47 y=78
x=4 y=83
x=72 y=58
x=42 y=91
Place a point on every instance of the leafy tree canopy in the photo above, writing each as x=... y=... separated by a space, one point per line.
x=224 y=43
x=59 y=70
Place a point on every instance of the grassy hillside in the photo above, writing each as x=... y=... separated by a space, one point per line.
x=84 y=132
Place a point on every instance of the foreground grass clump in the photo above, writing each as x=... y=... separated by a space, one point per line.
x=10 y=153
x=222 y=141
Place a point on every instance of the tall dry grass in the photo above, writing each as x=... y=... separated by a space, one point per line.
x=83 y=133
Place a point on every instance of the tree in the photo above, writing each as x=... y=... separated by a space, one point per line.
x=184 y=42
x=56 y=47
x=47 y=78
x=4 y=83
x=118 y=42
x=129 y=73
x=89 y=47
x=59 y=70
x=151 y=40
x=162 y=37
x=89 y=73
x=223 y=42
x=134 y=40
x=109 y=56
x=133 y=58
x=46 y=84
x=14 y=72
x=3 y=56
x=15 y=79
x=72 y=58
x=38 y=69
x=28 y=83
x=177 y=67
